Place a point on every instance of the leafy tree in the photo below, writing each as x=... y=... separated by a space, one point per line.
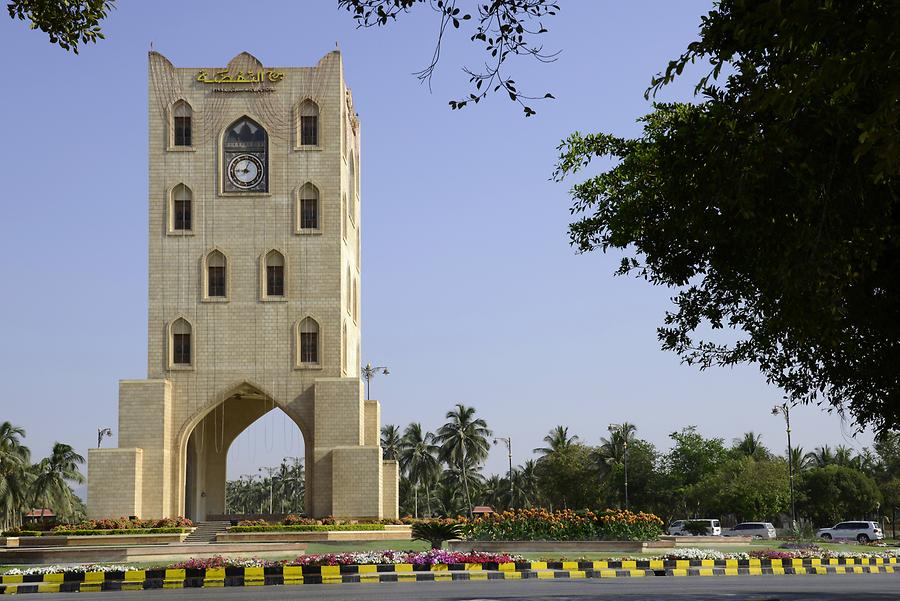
x=749 y=488
x=833 y=493
x=771 y=204
x=557 y=440
x=506 y=29
x=67 y=23
x=463 y=444
x=568 y=478
x=690 y=460
x=390 y=441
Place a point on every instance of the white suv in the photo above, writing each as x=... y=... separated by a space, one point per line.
x=678 y=527
x=763 y=530
x=863 y=532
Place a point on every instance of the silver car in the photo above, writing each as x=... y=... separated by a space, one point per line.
x=862 y=532
x=758 y=530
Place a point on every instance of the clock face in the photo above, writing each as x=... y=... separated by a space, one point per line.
x=245 y=171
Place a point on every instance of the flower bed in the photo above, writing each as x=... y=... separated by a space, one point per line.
x=388 y=557
x=68 y=569
x=70 y=532
x=305 y=528
x=178 y=524
x=564 y=525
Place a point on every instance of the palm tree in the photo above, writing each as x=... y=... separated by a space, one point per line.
x=419 y=459
x=612 y=450
x=52 y=476
x=751 y=446
x=464 y=444
x=390 y=441
x=800 y=460
x=843 y=456
x=14 y=461
x=528 y=484
x=557 y=440
x=821 y=456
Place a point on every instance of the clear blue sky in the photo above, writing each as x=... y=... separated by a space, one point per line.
x=471 y=292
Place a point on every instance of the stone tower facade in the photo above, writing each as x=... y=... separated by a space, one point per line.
x=254 y=294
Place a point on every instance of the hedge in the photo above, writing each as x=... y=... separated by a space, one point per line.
x=305 y=528
x=99 y=532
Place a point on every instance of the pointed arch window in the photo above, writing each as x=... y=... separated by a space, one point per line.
x=181 y=209
x=180 y=343
x=245 y=161
x=309 y=123
x=349 y=293
x=355 y=305
x=309 y=207
x=274 y=274
x=309 y=341
x=345 y=360
x=182 y=126
x=216 y=275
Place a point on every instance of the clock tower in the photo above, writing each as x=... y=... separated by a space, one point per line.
x=254 y=294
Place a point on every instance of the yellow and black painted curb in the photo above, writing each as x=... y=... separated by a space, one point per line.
x=286 y=575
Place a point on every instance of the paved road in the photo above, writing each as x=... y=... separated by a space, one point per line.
x=853 y=587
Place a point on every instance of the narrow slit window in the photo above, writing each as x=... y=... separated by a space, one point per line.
x=181 y=342
x=274 y=274
x=215 y=267
x=182 y=209
x=309 y=341
x=182 y=122
x=309 y=123
x=309 y=207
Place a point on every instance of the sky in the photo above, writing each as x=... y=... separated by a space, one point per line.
x=470 y=290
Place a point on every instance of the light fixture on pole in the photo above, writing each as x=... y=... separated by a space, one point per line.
x=625 y=465
x=368 y=372
x=101 y=432
x=785 y=410
x=508 y=442
x=270 y=471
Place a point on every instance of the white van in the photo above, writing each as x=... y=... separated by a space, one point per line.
x=677 y=528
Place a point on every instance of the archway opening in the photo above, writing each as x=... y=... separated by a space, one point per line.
x=245 y=457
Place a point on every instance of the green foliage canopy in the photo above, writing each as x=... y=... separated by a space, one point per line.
x=834 y=493
x=68 y=23
x=771 y=207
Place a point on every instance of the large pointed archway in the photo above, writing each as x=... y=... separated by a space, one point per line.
x=206 y=444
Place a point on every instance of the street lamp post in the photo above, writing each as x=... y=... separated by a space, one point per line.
x=785 y=410
x=101 y=432
x=625 y=466
x=249 y=478
x=296 y=461
x=368 y=372
x=508 y=442
x=270 y=471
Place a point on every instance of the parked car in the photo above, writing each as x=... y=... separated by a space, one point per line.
x=863 y=532
x=679 y=527
x=761 y=530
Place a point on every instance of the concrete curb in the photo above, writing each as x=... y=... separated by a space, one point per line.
x=287 y=575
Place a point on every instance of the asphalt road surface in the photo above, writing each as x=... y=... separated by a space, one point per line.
x=855 y=587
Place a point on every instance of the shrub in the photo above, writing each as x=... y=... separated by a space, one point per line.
x=696 y=528
x=303 y=527
x=540 y=524
x=436 y=532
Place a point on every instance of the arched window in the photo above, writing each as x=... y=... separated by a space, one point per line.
x=180 y=342
x=216 y=266
x=274 y=274
x=309 y=207
x=344 y=221
x=245 y=157
x=309 y=341
x=309 y=123
x=181 y=209
x=181 y=124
